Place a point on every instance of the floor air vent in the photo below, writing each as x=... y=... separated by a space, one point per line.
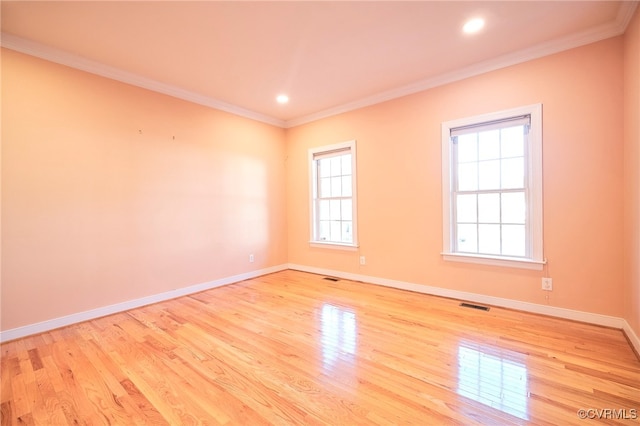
x=330 y=279
x=471 y=305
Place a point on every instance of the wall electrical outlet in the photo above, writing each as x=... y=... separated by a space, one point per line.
x=363 y=261
x=251 y=258
x=547 y=284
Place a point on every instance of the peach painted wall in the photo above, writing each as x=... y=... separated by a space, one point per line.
x=101 y=205
x=632 y=171
x=399 y=181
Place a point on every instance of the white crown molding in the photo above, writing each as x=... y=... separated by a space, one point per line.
x=41 y=327
x=612 y=29
x=625 y=13
x=42 y=51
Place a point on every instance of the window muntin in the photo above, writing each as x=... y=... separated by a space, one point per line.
x=489 y=195
x=492 y=188
x=333 y=194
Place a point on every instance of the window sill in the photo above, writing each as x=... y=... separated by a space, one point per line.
x=510 y=262
x=331 y=245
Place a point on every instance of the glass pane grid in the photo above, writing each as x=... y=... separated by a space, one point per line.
x=336 y=231
x=495 y=229
x=334 y=221
x=490 y=201
x=489 y=160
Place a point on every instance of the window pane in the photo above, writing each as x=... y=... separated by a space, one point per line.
x=513 y=207
x=332 y=194
x=513 y=173
x=512 y=142
x=491 y=176
x=489 y=172
x=325 y=187
x=489 y=145
x=323 y=206
x=489 y=239
x=466 y=208
x=468 y=177
x=346 y=164
x=336 y=231
x=336 y=186
x=347 y=235
x=324 y=232
x=467 y=148
x=335 y=166
x=335 y=209
x=513 y=240
x=346 y=209
x=346 y=186
x=468 y=238
x=489 y=208
x=325 y=167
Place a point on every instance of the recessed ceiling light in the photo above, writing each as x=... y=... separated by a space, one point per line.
x=282 y=99
x=473 y=25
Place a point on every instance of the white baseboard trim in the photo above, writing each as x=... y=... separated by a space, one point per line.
x=633 y=337
x=588 y=317
x=51 y=324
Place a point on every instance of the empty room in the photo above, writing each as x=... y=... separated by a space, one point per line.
x=336 y=213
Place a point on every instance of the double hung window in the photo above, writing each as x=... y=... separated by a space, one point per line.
x=492 y=188
x=333 y=195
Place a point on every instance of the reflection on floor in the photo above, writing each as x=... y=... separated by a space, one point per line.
x=339 y=331
x=293 y=348
x=493 y=380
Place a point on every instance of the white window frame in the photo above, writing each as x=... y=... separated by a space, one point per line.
x=535 y=260
x=313 y=179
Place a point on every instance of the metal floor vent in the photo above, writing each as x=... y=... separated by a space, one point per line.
x=471 y=305
x=330 y=279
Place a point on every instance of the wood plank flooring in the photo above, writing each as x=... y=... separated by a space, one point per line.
x=292 y=348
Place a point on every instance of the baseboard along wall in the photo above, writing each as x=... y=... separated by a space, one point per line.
x=581 y=316
x=52 y=324
x=587 y=317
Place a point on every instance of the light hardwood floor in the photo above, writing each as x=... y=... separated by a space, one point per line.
x=292 y=348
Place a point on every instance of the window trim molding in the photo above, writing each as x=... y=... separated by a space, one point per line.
x=351 y=146
x=333 y=245
x=535 y=178
x=485 y=259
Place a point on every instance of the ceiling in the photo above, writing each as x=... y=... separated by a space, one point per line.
x=328 y=57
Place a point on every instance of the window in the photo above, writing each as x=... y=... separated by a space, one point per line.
x=333 y=195
x=492 y=188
